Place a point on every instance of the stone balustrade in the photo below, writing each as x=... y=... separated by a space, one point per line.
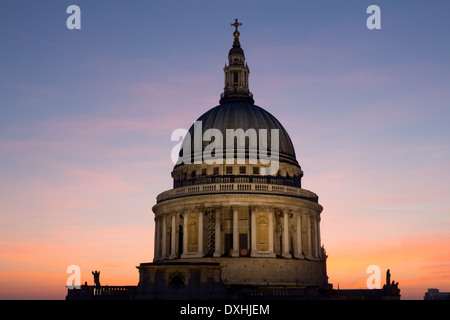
x=92 y=292
x=237 y=188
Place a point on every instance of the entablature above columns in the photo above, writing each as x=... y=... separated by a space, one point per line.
x=257 y=202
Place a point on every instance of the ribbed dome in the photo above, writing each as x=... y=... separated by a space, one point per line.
x=243 y=115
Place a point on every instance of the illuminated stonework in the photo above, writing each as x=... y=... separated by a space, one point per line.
x=260 y=229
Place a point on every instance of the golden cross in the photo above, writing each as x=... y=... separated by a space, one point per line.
x=236 y=24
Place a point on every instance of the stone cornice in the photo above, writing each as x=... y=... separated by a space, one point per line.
x=256 y=201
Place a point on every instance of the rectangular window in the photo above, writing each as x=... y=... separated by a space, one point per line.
x=216 y=171
x=229 y=170
x=242 y=170
x=203 y=172
x=255 y=170
x=235 y=74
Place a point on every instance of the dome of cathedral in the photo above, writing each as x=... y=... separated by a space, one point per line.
x=244 y=115
x=237 y=140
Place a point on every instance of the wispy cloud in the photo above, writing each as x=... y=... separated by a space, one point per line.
x=45 y=41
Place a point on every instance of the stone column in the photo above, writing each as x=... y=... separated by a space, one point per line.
x=185 y=235
x=200 y=233
x=316 y=238
x=298 y=251
x=235 y=232
x=253 y=231
x=157 y=240
x=285 y=249
x=271 y=252
x=164 y=238
x=217 y=235
x=308 y=233
x=173 y=237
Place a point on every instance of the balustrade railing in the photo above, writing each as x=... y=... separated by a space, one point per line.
x=237 y=187
x=101 y=292
x=200 y=180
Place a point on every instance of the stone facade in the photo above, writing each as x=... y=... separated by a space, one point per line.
x=251 y=225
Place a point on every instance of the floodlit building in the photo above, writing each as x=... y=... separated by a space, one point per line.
x=238 y=223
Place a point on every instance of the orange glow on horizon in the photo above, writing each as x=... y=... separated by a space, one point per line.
x=415 y=263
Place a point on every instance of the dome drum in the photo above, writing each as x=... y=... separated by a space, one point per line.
x=223 y=226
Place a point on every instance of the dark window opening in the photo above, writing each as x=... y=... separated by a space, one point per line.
x=243 y=244
x=228 y=244
x=176 y=281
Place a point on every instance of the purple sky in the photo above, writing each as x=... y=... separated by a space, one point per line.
x=86 y=118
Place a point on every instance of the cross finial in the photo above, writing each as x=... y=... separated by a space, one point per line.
x=236 y=24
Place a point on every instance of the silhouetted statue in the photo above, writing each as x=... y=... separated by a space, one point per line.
x=390 y=288
x=388 y=277
x=96 y=278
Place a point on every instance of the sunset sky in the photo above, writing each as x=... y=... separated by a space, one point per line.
x=86 y=118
